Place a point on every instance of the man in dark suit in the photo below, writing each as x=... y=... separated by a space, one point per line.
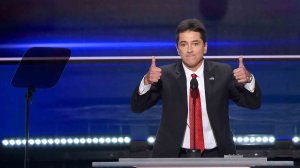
x=217 y=83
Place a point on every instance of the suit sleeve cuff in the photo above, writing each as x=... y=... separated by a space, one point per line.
x=144 y=88
x=250 y=86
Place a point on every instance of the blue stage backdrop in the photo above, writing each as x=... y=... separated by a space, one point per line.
x=93 y=98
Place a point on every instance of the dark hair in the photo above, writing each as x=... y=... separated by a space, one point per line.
x=191 y=25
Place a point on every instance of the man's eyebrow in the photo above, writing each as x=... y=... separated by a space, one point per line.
x=192 y=41
x=182 y=41
x=196 y=41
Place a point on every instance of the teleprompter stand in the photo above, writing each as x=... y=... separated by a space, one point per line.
x=40 y=67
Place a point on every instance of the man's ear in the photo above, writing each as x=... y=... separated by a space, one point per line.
x=205 y=48
x=177 y=50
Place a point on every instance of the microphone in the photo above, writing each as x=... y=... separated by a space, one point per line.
x=194 y=84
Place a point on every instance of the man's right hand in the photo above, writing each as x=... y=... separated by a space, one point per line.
x=154 y=73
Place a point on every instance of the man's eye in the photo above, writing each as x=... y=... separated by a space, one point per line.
x=196 y=44
x=182 y=45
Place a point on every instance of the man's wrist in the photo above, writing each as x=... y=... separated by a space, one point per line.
x=249 y=78
x=146 y=81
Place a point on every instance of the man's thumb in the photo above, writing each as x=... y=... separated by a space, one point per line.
x=241 y=62
x=153 y=61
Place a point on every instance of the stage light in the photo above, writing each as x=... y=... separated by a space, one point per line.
x=76 y=141
x=246 y=139
x=57 y=141
x=37 y=142
x=88 y=140
x=66 y=141
x=296 y=139
x=120 y=140
x=101 y=140
x=82 y=140
x=63 y=141
x=30 y=141
x=50 y=141
x=271 y=139
x=95 y=140
x=70 y=141
x=107 y=140
x=44 y=141
x=127 y=140
x=254 y=140
x=19 y=142
x=151 y=140
x=114 y=140
x=239 y=139
x=12 y=142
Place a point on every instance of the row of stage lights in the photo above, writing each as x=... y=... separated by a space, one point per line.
x=239 y=140
x=249 y=140
x=67 y=141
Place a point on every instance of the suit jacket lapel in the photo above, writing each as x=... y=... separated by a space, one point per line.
x=209 y=79
x=181 y=80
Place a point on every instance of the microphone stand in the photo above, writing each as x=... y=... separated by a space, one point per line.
x=194 y=86
x=194 y=122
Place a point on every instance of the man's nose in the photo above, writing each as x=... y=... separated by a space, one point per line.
x=190 y=48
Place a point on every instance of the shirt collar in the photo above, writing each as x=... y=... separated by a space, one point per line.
x=198 y=72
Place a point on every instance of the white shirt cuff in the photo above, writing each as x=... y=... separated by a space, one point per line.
x=250 y=86
x=144 y=88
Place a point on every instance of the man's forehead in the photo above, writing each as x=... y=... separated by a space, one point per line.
x=190 y=36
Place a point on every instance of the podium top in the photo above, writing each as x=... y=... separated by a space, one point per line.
x=193 y=162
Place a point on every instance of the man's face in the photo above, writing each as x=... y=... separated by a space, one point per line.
x=191 y=48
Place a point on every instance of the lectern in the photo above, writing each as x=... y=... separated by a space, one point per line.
x=231 y=162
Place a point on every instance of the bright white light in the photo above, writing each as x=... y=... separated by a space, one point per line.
x=271 y=139
x=151 y=140
x=127 y=140
x=101 y=140
x=95 y=140
x=252 y=139
x=5 y=142
x=23 y=141
x=120 y=140
x=63 y=141
x=12 y=142
x=82 y=140
x=31 y=142
x=295 y=139
x=37 y=142
x=69 y=141
x=239 y=139
x=114 y=140
x=265 y=139
x=56 y=141
x=19 y=142
x=76 y=141
x=50 y=141
x=107 y=140
x=246 y=139
x=44 y=141
x=89 y=140
x=258 y=139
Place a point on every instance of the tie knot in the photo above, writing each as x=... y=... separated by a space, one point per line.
x=194 y=76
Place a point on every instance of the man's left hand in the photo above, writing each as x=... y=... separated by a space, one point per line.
x=241 y=74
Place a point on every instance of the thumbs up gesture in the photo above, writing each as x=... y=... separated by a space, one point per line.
x=154 y=73
x=241 y=74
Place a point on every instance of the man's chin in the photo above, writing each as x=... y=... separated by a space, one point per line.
x=192 y=65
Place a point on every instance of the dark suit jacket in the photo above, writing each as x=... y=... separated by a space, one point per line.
x=220 y=86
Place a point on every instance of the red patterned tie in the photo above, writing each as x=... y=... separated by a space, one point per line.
x=196 y=128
